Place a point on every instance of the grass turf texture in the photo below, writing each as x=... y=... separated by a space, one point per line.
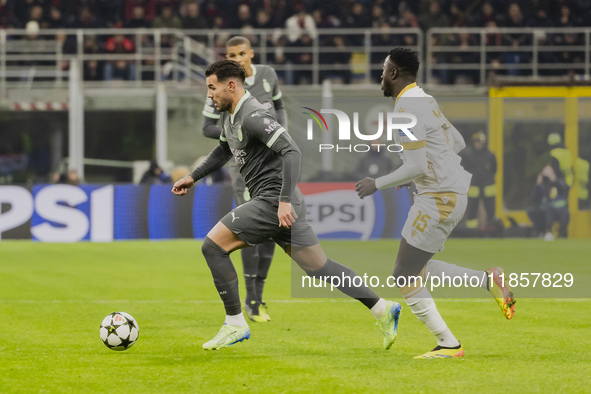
x=53 y=298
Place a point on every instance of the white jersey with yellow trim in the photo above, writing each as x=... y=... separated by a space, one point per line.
x=432 y=131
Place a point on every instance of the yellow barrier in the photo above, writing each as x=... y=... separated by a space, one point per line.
x=580 y=221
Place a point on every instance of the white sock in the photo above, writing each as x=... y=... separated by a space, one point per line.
x=440 y=268
x=379 y=309
x=236 y=320
x=423 y=306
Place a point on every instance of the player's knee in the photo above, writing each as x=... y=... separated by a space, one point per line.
x=211 y=249
x=405 y=274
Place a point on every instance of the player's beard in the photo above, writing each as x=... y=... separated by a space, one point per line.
x=224 y=105
x=387 y=90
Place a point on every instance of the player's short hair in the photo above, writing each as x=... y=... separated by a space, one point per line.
x=406 y=59
x=237 y=40
x=226 y=69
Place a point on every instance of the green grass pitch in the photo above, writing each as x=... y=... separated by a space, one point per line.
x=54 y=296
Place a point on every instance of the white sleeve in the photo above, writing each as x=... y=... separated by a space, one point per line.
x=459 y=143
x=414 y=166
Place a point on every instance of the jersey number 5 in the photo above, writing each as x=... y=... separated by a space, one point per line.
x=420 y=222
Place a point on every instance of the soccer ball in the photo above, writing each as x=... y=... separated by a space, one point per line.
x=119 y=331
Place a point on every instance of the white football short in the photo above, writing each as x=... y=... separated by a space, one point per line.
x=432 y=218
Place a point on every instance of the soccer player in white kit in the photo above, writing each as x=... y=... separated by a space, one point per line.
x=431 y=161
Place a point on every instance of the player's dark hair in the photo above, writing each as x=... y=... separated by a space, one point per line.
x=406 y=60
x=226 y=69
x=237 y=40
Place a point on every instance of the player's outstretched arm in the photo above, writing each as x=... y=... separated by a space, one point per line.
x=214 y=161
x=415 y=165
x=182 y=186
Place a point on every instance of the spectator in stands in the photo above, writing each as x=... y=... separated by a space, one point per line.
x=36 y=14
x=464 y=55
x=388 y=8
x=279 y=14
x=320 y=20
x=455 y=15
x=93 y=69
x=69 y=177
x=441 y=75
x=111 y=11
x=167 y=19
x=566 y=19
x=516 y=19
x=377 y=16
x=138 y=19
x=149 y=7
x=192 y=19
x=482 y=18
x=407 y=19
x=280 y=59
x=339 y=61
x=119 y=69
x=55 y=20
x=300 y=24
x=155 y=175
x=243 y=17
x=302 y=59
x=541 y=19
x=263 y=20
x=435 y=18
x=359 y=17
x=86 y=20
x=550 y=204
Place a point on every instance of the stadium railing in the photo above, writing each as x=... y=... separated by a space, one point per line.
x=149 y=56
x=477 y=55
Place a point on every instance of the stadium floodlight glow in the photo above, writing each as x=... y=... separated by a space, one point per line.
x=344 y=130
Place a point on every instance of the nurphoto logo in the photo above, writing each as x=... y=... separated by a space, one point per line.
x=344 y=129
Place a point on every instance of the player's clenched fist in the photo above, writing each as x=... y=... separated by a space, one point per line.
x=182 y=186
x=366 y=187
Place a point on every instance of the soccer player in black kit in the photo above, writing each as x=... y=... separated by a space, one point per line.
x=269 y=161
x=261 y=82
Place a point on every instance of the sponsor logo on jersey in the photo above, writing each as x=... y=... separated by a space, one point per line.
x=272 y=127
x=239 y=155
x=266 y=86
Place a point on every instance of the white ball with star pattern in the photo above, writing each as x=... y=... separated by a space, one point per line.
x=119 y=331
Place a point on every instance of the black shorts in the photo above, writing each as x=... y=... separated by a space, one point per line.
x=256 y=221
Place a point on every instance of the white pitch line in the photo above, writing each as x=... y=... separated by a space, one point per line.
x=295 y=301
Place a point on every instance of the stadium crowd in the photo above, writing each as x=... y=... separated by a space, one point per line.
x=300 y=21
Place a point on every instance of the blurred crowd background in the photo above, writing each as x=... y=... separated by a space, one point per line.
x=296 y=25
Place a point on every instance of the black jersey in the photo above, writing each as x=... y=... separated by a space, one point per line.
x=257 y=142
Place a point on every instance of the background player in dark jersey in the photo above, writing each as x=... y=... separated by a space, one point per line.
x=269 y=160
x=261 y=81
